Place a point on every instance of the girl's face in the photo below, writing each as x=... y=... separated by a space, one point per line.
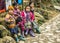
x=11 y=12
x=28 y=8
x=16 y=7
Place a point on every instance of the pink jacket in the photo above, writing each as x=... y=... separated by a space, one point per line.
x=23 y=14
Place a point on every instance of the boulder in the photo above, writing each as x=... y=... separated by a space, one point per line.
x=2 y=18
x=1 y=40
x=39 y=18
x=8 y=39
x=4 y=31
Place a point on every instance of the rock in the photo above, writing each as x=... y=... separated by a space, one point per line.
x=51 y=31
x=39 y=18
x=4 y=31
x=1 y=40
x=3 y=14
x=21 y=42
x=38 y=15
x=58 y=40
x=1 y=19
x=2 y=22
x=8 y=39
x=35 y=42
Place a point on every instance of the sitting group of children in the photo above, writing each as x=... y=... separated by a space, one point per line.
x=21 y=23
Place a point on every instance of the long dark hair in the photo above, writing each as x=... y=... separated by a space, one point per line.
x=31 y=7
x=31 y=3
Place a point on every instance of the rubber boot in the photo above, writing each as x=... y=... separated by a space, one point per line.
x=21 y=38
x=36 y=27
x=31 y=33
x=17 y=40
x=37 y=30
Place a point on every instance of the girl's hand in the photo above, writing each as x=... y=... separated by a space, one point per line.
x=8 y=20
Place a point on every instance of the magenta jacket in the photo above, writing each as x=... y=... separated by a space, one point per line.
x=23 y=14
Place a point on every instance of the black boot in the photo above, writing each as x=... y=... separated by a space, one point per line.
x=26 y=32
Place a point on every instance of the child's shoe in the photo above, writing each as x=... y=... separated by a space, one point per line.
x=17 y=40
x=37 y=30
x=21 y=38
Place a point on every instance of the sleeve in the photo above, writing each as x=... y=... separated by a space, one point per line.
x=22 y=15
x=32 y=17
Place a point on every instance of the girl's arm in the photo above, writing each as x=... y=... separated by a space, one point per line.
x=32 y=17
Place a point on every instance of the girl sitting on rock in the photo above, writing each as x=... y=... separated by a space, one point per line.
x=27 y=18
x=10 y=21
x=34 y=24
x=16 y=10
x=18 y=19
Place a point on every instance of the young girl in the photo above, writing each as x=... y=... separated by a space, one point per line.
x=34 y=24
x=27 y=18
x=19 y=21
x=10 y=21
x=31 y=4
x=16 y=10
